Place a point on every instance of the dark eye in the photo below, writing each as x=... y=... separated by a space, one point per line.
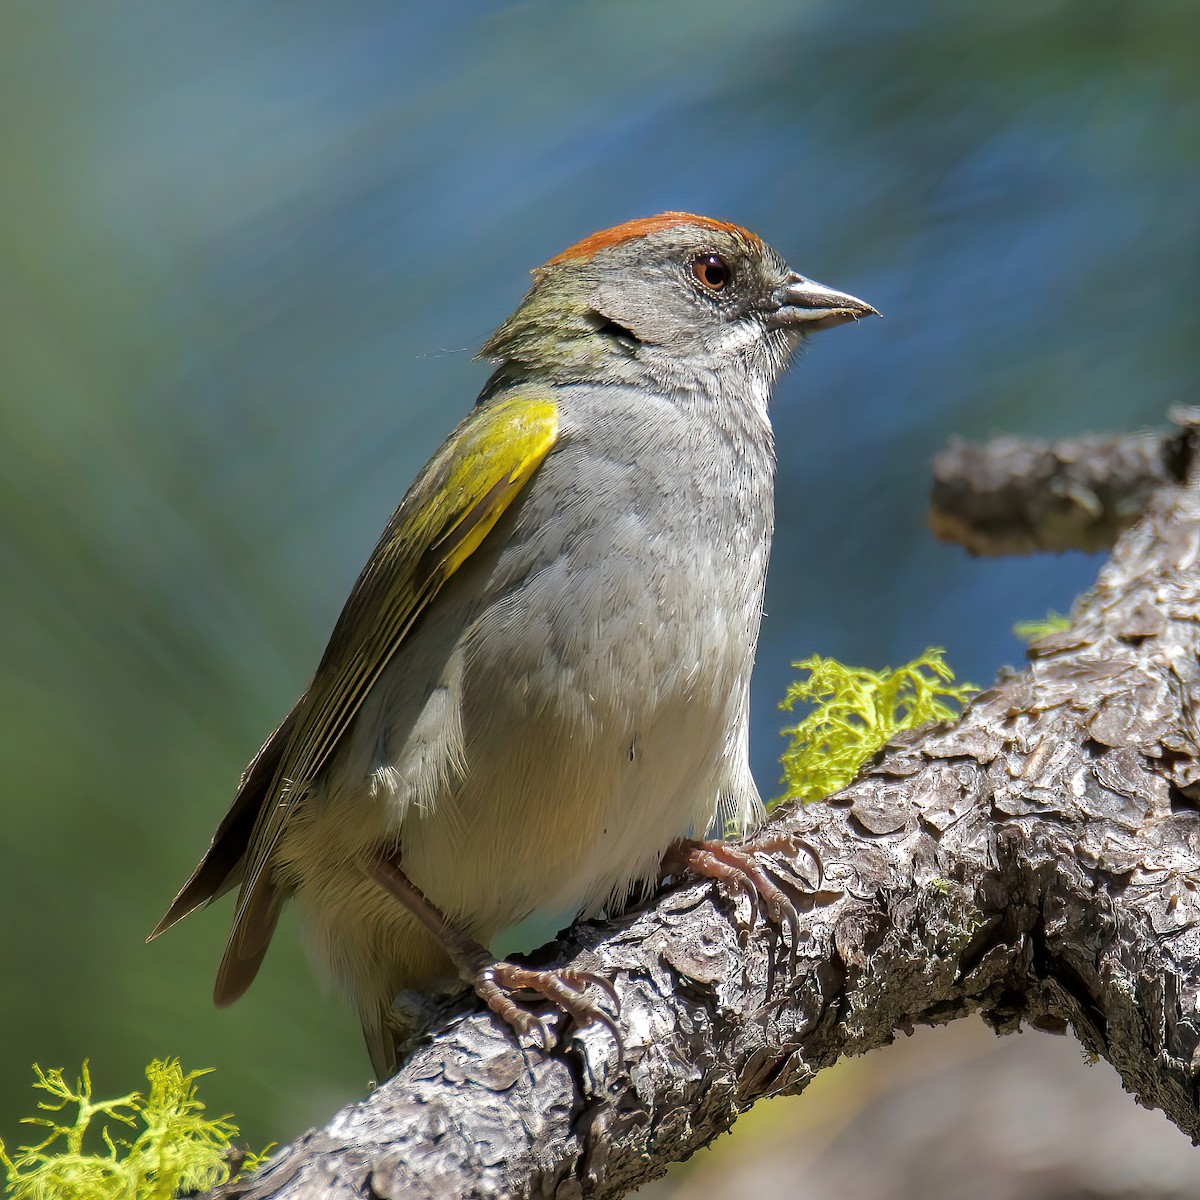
x=712 y=271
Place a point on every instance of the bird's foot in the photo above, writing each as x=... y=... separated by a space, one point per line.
x=738 y=869
x=565 y=989
x=495 y=980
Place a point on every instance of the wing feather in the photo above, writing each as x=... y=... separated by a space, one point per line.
x=444 y=517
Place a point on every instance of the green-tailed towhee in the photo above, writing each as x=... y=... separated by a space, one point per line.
x=540 y=681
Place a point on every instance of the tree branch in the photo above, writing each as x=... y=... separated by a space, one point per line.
x=1035 y=862
x=1017 y=497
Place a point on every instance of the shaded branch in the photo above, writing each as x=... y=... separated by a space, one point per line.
x=1035 y=862
x=1009 y=496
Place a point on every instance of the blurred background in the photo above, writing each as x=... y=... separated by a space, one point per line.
x=246 y=253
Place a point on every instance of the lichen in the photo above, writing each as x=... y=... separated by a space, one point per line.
x=1033 y=631
x=855 y=713
x=176 y=1147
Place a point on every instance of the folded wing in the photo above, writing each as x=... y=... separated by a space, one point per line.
x=444 y=517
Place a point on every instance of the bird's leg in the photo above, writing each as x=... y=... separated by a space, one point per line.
x=736 y=867
x=495 y=980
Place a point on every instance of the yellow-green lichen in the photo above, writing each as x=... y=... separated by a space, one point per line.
x=82 y=1157
x=855 y=712
x=1033 y=631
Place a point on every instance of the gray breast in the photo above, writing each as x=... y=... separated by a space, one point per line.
x=637 y=555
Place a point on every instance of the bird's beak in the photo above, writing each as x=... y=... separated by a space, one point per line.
x=805 y=306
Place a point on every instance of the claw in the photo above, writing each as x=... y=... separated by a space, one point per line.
x=493 y=979
x=565 y=989
x=582 y=980
x=737 y=867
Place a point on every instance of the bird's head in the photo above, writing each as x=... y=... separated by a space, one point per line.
x=669 y=295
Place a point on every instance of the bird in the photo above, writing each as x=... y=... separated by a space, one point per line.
x=536 y=697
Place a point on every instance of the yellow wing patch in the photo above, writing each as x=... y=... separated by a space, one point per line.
x=507 y=450
x=447 y=513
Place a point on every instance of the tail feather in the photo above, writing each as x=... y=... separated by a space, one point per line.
x=248 y=941
x=383 y=1049
x=223 y=865
x=221 y=868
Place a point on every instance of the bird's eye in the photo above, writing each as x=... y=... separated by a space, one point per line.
x=712 y=271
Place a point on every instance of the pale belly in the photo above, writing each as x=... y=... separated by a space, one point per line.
x=521 y=785
x=565 y=819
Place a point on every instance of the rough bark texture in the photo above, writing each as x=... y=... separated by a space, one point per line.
x=1016 y=497
x=1035 y=862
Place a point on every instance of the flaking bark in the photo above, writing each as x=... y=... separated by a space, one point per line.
x=1035 y=862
